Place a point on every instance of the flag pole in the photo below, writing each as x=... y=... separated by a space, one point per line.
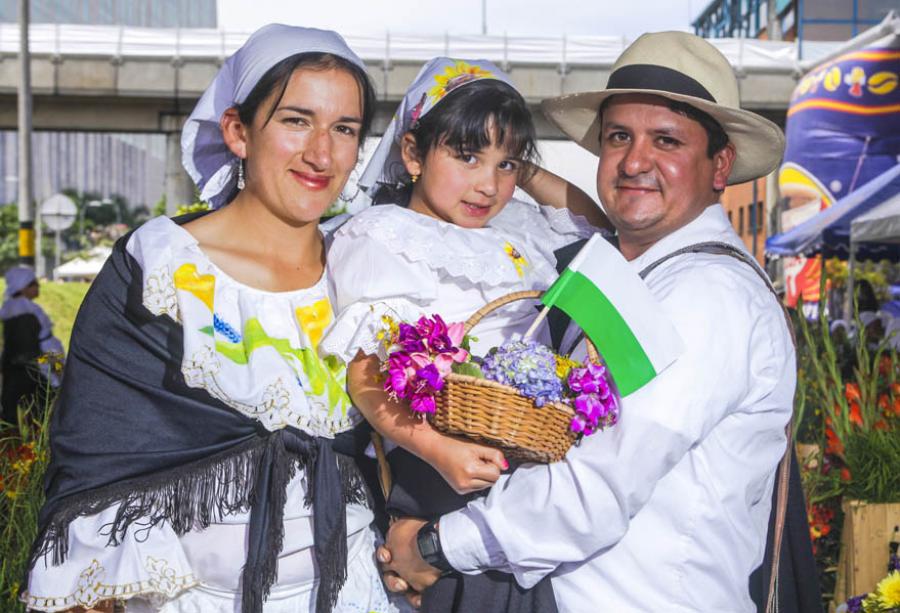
x=541 y=317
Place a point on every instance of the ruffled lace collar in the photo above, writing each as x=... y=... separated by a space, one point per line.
x=496 y=255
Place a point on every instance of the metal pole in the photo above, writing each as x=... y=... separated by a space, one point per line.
x=26 y=199
x=848 y=313
x=773 y=24
x=57 y=248
x=483 y=17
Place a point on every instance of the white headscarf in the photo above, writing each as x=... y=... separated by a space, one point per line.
x=17 y=279
x=205 y=156
x=437 y=78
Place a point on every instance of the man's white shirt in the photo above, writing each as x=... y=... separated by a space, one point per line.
x=668 y=510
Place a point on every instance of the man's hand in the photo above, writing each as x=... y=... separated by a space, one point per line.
x=402 y=565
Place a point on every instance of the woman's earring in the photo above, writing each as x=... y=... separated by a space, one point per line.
x=414 y=178
x=240 y=180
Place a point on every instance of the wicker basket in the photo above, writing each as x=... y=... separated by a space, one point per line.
x=498 y=415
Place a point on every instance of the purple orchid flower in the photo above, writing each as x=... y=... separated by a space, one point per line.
x=422 y=403
x=431 y=376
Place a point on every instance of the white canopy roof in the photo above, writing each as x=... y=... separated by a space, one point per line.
x=881 y=224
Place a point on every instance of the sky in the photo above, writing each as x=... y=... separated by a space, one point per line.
x=627 y=18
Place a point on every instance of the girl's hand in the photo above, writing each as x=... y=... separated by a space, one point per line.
x=467 y=467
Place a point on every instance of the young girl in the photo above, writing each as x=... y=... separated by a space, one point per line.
x=447 y=241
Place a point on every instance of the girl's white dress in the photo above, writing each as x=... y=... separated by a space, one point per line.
x=255 y=351
x=390 y=261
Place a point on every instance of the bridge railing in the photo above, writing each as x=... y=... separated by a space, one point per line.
x=124 y=42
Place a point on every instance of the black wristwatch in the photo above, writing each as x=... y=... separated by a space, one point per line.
x=429 y=544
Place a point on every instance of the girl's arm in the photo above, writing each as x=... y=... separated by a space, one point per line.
x=466 y=466
x=552 y=190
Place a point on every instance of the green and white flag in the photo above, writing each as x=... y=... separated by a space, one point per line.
x=602 y=293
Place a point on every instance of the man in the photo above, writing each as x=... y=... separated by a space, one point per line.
x=668 y=510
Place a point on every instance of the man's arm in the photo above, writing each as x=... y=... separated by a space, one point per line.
x=546 y=515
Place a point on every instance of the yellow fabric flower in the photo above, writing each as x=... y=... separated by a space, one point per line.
x=517 y=259
x=888 y=591
x=454 y=76
x=203 y=287
x=314 y=319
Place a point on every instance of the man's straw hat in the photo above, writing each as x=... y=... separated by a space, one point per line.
x=686 y=68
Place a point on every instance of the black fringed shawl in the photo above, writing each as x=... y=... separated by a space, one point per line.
x=127 y=430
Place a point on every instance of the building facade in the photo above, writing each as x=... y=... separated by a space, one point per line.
x=135 y=13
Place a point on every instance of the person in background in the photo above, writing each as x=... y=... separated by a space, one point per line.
x=31 y=354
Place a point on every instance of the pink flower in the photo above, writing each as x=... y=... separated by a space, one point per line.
x=456 y=332
x=580 y=425
x=400 y=374
x=420 y=359
x=422 y=403
x=444 y=362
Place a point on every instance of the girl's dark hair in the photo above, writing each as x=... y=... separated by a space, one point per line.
x=277 y=77
x=467 y=120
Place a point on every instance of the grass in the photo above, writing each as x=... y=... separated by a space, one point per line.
x=60 y=301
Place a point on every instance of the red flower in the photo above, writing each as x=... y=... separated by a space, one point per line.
x=851 y=392
x=855 y=414
x=880 y=425
x=834 y=445
x=845 y=475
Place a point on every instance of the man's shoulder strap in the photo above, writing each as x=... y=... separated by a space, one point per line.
x=715 y=248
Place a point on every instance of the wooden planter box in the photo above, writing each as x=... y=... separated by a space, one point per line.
x=868 y=528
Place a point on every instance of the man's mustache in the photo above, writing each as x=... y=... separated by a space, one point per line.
x=644 y=182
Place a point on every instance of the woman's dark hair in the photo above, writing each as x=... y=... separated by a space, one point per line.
x=277 y=77
x=468 y=119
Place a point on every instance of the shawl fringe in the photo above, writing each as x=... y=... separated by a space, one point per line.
x=188 y=497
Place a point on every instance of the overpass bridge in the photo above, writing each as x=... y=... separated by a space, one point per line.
x=124 y=79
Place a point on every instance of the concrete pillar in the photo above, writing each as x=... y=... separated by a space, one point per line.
x=179 y=185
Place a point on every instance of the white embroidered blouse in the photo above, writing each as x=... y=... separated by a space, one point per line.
x=255 y=351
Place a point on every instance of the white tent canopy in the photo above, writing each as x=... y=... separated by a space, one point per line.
x=83 y=269
x=881 y=224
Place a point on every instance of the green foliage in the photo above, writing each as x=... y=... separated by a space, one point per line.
x=875 y=458
x=470 y=369
x=160 y=207
x=9 y=235
x=24 y=456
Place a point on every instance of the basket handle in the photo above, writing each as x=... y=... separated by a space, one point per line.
x=495 y=304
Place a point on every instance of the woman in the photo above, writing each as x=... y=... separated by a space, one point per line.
x=27 y=335
x=192 y=465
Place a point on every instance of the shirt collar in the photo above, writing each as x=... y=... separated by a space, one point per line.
x=711 y=225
